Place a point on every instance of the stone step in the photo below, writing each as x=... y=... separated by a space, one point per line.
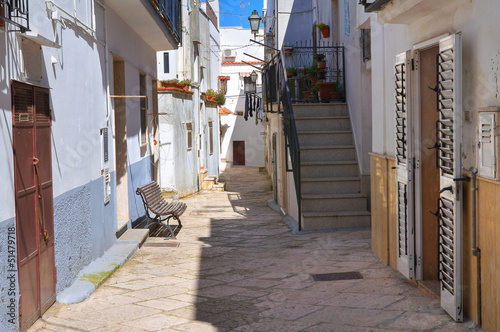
x=221 y=186
x=335 y=220
x=208 y=183
x=315 y=138
x=137 y=236
x=329 y=169
x=329 y=185
x=320 y=109
x=332 y=123
x=122 y=226
x=333 y=202
x=327 y=152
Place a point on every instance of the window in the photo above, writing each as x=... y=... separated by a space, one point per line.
x=189 y=135
x=366 y=44
x=211 y=134
x=143 y=105
x=166 y=63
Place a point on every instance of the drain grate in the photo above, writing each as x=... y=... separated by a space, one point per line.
x=337 y=276
x=161 y=244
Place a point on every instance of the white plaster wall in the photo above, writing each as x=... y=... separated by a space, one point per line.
x=173 y=64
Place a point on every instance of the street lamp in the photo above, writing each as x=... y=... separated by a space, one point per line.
x=254 y=22
x=253 y=77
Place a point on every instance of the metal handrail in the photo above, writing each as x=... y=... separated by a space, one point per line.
x=171 y=14
x=281 y=92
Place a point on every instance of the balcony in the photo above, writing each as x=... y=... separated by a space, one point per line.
x=14 y=15
x=403 y=11
x=158 y=22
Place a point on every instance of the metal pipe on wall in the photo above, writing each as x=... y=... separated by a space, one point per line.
x=476 y=252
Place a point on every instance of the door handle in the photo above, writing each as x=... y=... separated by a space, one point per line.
x=435 y=146
x=450 y=188
x=465 y=178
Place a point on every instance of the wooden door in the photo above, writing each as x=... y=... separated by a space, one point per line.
x=34 y=207
x=239 y=153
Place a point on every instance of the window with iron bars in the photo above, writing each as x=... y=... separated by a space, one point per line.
x=16 y=13
x=366 y=44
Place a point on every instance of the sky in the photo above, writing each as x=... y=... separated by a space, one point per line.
x=236 y=12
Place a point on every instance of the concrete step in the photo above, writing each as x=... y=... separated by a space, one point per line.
x=137 y=236
x=333 y=202
x=315 y=138
x=329 y=185
x=334 y=220
x=320 y=109
x=327 y=152
x=122 y=226
x=329 y=169
x=323 y=123
x=221 y=186
x=208 y=183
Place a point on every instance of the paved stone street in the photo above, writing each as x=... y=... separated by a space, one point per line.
x=237 y=267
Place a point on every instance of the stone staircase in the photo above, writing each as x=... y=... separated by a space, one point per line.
x=330 y=181
x=210 y=182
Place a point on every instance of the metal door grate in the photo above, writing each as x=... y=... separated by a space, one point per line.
x=402 y=219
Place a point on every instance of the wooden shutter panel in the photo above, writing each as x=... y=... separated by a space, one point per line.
x=487 y=144
x=450 y=201
x=404 y=168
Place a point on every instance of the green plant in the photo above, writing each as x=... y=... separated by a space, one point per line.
x=211 y=93
x=320 y=57
x=220 y=97
x=312 y=71
x=290 y=69
x=322 y=25
x=314 y=88
x=186 y=81
x=171 y=81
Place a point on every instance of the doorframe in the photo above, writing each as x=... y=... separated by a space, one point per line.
x=417 y=141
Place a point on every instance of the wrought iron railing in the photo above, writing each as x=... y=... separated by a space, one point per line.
x=277 y=97
x=304 y=55
x=16 y=13
x=170 y=12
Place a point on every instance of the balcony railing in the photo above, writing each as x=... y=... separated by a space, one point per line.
x=16 y=13
x=373 y=5
x=171 y=14
x=305 y=55
x=277 y=99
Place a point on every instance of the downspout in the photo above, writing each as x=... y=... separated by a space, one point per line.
x=476 y=252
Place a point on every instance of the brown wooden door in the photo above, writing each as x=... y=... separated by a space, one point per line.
x=34 y=208
x=239 y=153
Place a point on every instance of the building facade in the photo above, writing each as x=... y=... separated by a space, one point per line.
x=77 y=137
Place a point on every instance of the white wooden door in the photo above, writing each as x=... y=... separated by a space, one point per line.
x=404 y=166
x=450 y=201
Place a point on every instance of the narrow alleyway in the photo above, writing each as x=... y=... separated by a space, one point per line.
x=237 y=267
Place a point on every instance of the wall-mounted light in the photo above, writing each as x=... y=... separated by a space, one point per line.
x=253 y=77
x=254 y=22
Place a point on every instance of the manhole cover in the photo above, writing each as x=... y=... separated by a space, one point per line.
x=161 y=244
x=336 y=276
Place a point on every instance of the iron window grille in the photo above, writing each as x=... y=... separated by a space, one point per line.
x=16 y=13
x=366 y=44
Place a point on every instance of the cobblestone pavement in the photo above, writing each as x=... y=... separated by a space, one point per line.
x=238 y=268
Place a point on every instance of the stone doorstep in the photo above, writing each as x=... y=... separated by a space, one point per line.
x=94 y=275
x=221 y=186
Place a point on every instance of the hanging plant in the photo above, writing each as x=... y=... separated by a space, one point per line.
x=325 y=29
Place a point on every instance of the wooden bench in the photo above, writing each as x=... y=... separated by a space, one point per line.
x=155 y=203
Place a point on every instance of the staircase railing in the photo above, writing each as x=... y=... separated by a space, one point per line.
x=277 y=96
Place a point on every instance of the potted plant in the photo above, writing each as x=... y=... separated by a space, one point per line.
x=320 y=58
x=220 y=97
x=211 y=94
x=307 y=94
x=288 y=49
x=313 y=74
x=290 y=71
x=169 y=83
x=185 y=84
x=325 y=29
x=326 y=90
x=314 y=92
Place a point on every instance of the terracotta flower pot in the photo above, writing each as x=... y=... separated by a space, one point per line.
x=322 y=64
x=168 y=84
x=307 y=94
x=314 y=80
x=325 y=32
x=288 y=50
x=326 y=90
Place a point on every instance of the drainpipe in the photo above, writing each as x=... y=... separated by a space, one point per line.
x=476 y=252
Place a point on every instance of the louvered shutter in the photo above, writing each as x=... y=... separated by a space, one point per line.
x=404 y=168
x=450 y=138
x=487 y=141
